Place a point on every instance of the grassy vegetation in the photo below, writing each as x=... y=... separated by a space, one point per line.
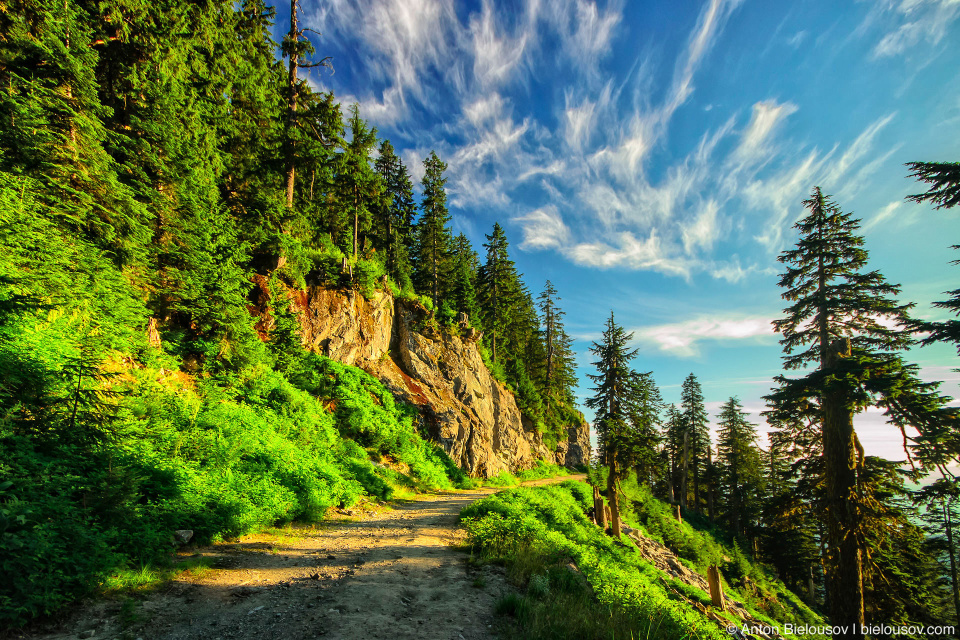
x=193 y=453
x=540 y=533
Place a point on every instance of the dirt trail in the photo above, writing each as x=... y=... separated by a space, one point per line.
x=387 y=573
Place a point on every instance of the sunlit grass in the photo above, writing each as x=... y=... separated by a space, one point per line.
x=147 y=576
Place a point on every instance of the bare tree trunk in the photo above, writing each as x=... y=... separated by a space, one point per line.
x=844 y=567
x=710 y=484
x=612 y=496
x=291 y=104
x=356 y=221
x=685 y=468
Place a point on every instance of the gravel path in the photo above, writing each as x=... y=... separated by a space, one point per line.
x=391 y=573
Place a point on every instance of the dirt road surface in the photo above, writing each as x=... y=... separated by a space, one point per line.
x=390 y=573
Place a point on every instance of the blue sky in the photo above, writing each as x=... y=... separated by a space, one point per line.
x=650 y=157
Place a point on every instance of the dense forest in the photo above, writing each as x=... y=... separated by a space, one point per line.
x=156 y=156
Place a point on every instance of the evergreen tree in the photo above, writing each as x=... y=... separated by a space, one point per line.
x=296 y=47
x=941 y=501
x=498 y=295
x=432 y=249
x=739 y=467
x=611 y=403
x=642 y=446
x=358 y=186
x=675 y=444
x=697 y=438
x=834 y=322
x=944 y=178
x=394 y=216
x=466 y=264
x=551 y=321
x=900 y=572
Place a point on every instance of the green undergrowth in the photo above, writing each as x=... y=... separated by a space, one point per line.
x=164 y=451
x=537 y=531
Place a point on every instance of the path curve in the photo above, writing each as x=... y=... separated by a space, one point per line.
x=392 y=573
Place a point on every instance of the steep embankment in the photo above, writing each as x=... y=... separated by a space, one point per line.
x=474 y=417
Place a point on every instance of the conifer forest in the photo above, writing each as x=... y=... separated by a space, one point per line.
x=199 y=242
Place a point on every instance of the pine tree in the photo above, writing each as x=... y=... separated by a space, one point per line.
x=465 y=267
x=941 y=500
x=643 y=440
x=432 y=250
x=697 y=438
x=793 y=540
x=296 y=47
x=497 y=291
x=834 y=322
x=944 y=178
x=394 y=216
x=551 y=321
x=739 y=467
x=676 y=444
x=611 y=402
x=358 y=186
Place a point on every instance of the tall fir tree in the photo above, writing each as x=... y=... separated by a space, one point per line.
x=395 y=214
x=676 y=441
x=466 y=264
x=740 y=472
x=642 y=446
x=296 y=47
x=697 y=438
x=432 y=249
x=834 y=321
x=611 y=402
x=498 y=295
x=358 y=185
x=944 y=192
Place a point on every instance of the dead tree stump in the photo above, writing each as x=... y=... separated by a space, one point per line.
x=716 y=588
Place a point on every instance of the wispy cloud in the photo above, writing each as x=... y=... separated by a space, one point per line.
x=544 y=229
x=915 y=21
x=587 y=181
x=754 y=146
x=683 y=339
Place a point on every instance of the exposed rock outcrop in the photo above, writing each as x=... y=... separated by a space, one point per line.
x=471 y=415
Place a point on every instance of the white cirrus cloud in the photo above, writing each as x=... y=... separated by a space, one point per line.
x=754 y=144
x=916 y=21
x=543 y=229
x=683 y=339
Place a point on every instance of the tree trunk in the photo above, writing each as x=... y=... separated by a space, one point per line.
x=599 y=514
x=612 y=496
x=953 y=560
x=356 y=220
x=716 y=588
x=291 y=104
x=710 y=485
x=844 y=566
x=685 y=470
x=696 y=480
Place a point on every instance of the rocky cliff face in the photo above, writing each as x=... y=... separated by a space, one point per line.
x=470 y=414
